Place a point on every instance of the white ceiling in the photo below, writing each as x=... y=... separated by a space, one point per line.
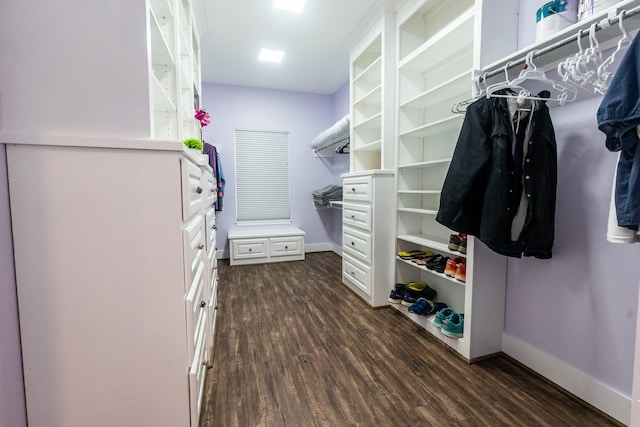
x=315 y=42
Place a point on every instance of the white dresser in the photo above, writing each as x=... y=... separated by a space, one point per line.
x=367 y=234
x=116 y=280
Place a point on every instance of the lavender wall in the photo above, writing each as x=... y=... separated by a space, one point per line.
x=12 y=405
x=303 y=116
x=581 y=306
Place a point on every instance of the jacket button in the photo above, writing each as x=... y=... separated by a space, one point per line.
x=527 y=177
x=527 y=160
x=528 y=195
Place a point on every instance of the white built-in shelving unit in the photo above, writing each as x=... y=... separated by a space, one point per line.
x=438 y=47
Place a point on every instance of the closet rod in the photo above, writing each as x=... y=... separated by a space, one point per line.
x=331 y=143
x=543 y=51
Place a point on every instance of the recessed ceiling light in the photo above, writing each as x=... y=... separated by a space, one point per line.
x=269 y=55
x=291 y=5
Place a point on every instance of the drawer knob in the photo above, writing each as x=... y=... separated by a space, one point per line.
x=353 y=188
x=353 y=273
x=286 y=247
x=250 y=249
x=203 y=304
x=353 y=217
x=199 y=190
x=215 y=307
x=201 y=246
x=353 y=243
x=215 y=227
x=205 y=362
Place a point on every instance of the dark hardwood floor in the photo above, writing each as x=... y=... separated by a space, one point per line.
x=294 y=347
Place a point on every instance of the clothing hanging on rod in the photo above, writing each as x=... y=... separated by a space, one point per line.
x=501 y=182
x=618 y=118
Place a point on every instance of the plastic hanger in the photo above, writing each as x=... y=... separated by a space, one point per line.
x=567 y=92
x=604 y=75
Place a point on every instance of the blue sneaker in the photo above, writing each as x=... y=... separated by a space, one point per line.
x=397 y=294
x=453 y=325
x=438 y=319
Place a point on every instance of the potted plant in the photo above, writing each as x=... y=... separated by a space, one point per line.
x=194 y=144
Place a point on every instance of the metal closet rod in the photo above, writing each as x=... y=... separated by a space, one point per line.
x=543 y=51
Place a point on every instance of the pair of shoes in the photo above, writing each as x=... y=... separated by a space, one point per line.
x=454 y=325
x=414 y=254
x=437 y=263
x=458 y=242
x=426 y=307
x=457 y=267
x=452 y=266
x=415 y=290
x=397 y=293
x=450 y=322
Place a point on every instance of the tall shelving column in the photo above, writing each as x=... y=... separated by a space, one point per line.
x=174 y=72
x=368 y=206
x=438 y=47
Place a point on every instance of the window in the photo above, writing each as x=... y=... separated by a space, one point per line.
x=262 y=176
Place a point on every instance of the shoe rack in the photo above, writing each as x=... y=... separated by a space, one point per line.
x=438 y=49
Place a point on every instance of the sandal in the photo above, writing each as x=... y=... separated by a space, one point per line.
x=422 y=306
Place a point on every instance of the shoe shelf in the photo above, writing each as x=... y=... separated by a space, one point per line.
x=450 y=254
x=458 y=344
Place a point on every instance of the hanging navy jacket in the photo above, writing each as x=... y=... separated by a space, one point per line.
x=477 y=196
x=618 y=117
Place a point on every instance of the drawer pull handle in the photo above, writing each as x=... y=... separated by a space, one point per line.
x=203 y=304
x=198 y=190
x=201 y=246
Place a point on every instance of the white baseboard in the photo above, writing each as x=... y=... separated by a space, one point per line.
x=323 y=247
x=313 y=247
x=587 y=388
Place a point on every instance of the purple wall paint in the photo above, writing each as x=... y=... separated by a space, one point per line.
x=303 y=116
x=12 y=405
x=581 y=305
x=341 y=102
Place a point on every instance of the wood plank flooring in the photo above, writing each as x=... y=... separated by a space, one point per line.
x=294 y=347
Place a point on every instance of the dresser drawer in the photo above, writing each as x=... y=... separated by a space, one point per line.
x=195 y=306
x=283 y=246
x=191 y=189
x=210 y=229
x=210 y=190
x=357 y=216
x=194 y=248
x=197 y=374
x=358 y=189
x=356 y=273
x=357 y=244
x=250 y=248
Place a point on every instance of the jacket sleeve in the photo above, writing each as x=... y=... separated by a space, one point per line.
x=462 y=195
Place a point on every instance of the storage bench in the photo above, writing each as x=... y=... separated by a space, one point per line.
x=256 y=246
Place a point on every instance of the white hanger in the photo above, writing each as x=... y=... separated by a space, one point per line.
x=567 y=91
x=602 y=83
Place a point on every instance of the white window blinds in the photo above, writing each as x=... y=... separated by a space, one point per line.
x=262 y=176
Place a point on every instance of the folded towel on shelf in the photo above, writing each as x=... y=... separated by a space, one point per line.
x=338 y=131
x=330 y=193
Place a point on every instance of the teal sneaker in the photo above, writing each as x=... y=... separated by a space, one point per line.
x=453 y=325
x=438 y=319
